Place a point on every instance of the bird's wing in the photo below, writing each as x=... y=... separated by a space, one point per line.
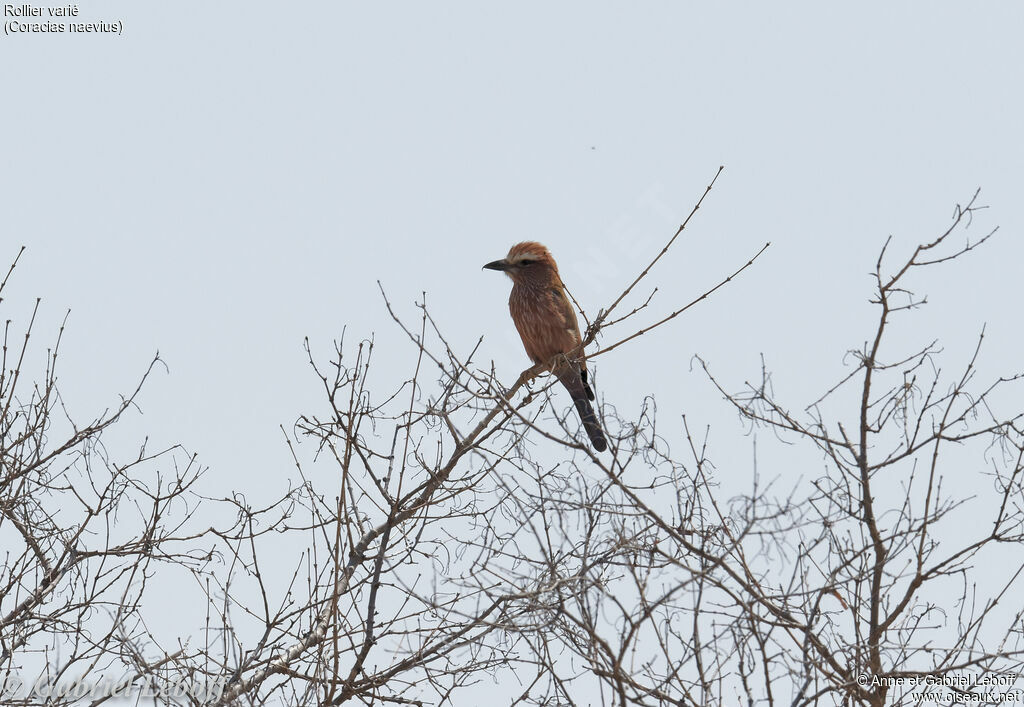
x=571 y=327
x=562 y=305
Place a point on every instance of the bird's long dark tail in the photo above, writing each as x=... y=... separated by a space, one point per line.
x=578 y=389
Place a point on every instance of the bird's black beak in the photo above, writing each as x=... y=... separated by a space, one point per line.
x=502 y=265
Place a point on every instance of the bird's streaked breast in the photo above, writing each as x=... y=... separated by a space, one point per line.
x=541 y=319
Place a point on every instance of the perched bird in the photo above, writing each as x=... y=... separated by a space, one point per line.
x=547 y=325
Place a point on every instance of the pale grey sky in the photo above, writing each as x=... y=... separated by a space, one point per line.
x=224 y=179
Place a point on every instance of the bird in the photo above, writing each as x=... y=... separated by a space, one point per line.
x=548 y=326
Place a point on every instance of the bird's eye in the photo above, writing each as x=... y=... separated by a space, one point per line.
x=525 y=261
